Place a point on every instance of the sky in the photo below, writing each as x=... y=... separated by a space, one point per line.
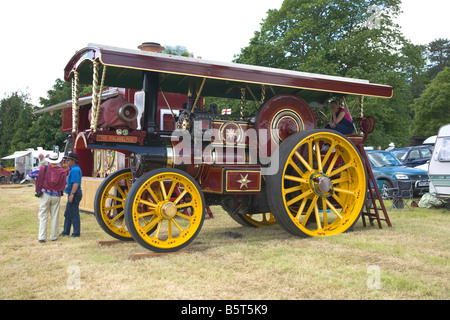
x=39 y=37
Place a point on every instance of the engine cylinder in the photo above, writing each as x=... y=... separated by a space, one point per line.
x=158 y=153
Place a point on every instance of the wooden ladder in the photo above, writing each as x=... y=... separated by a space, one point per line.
x=370 y=209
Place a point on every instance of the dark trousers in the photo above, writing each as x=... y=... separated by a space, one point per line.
x=345 y=127
x=72 y=215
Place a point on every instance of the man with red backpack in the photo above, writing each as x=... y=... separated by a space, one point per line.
x=50 y=184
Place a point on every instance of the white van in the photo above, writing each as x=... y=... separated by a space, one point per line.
x=27 y=161
x=439 y=169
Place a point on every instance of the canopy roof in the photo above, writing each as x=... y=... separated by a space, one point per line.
x=35 y=153
x=17 y=154
x=125 y=69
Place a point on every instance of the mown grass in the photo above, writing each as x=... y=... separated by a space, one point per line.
x=411 y=260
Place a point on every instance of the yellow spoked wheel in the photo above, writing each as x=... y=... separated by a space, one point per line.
x=165 y=210
x=109 y=204
x=235 y=206
x=259 y=219
x=320 y=186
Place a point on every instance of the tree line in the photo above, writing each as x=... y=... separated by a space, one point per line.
x=21 y=129
x=356 y=39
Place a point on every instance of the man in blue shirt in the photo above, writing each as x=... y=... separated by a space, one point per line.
x=73 y=189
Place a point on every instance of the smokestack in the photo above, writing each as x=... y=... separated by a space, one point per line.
x=151 y=47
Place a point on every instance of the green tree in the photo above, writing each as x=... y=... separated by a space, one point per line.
x=61 y=91
x=327 y=35
x=21 y=138
x=432 y=108
x=356 y=39
x=46 y=129
x=21 y=129
x=438 y=54
x=15 y=118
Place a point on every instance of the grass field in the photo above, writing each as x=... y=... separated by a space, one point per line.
x=408 y=261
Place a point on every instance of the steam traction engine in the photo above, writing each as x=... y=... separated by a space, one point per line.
x=273 y=167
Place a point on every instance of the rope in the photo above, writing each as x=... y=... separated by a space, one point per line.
x=75 y=81
x=94 y=97
x=361 y=106
x=100 y=98
x=242 y=102
x=263 y=94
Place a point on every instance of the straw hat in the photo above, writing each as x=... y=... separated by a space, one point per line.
x=54 y=158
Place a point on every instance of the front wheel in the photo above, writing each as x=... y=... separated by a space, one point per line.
x=165 y=210
x=109 y=204
x=320 y=186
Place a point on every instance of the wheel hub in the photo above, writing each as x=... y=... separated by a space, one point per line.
x=168 y=210
x=321 y=184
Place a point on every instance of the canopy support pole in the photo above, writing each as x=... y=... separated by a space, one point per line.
x=150 y=86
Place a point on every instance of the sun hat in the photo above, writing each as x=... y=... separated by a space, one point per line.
x=53 y=158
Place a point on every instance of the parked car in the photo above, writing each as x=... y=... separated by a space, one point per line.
x=387 y=169
x=413 y=156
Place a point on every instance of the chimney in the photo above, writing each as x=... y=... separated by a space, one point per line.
x=151 y=47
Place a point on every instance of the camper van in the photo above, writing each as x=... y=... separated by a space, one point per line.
x=439 y=169
x=27 y=161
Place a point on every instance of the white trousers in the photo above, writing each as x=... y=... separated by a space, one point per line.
x=48 y=205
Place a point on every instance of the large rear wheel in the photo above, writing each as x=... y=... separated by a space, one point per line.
x=320 y=186
x=165 y=210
